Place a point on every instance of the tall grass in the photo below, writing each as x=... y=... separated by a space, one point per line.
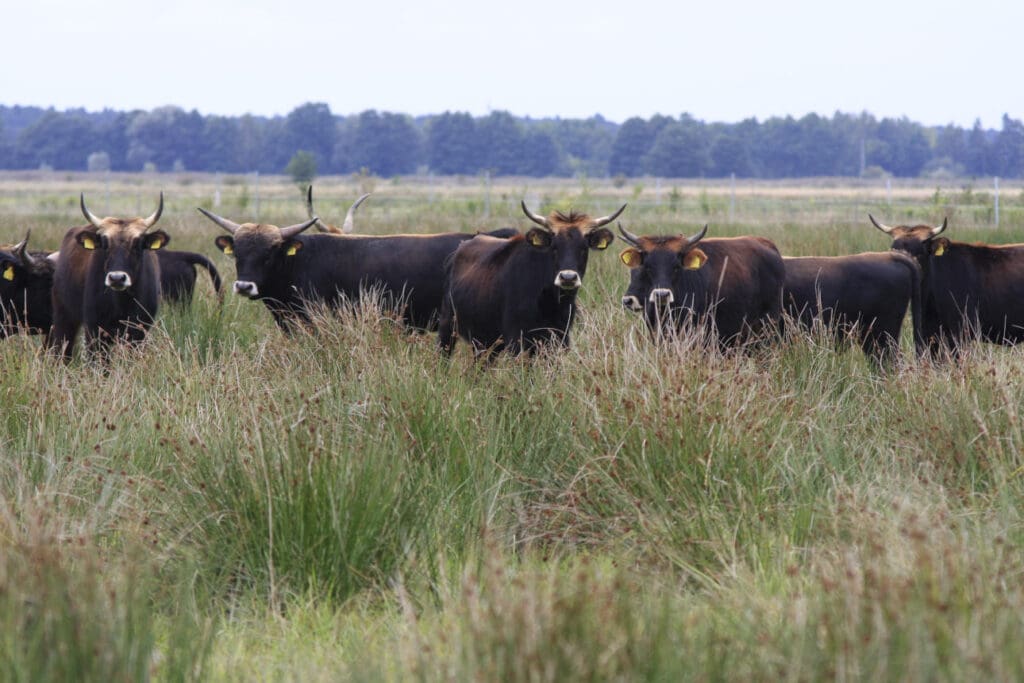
x=229 y=502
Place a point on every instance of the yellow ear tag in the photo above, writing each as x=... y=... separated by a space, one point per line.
x=693 y=261
x=228 y=250
x=940 y=250
x=156 y=244
x=631 y=257
x=603 y=243
x=292 y=250
x=9 y=273
x=536 y=239
x=88 y=243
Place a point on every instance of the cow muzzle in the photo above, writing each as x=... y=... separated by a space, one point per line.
x=118 y=280
x=661 y=297
x=247 y=289
x=631 y=303
x=568 y=279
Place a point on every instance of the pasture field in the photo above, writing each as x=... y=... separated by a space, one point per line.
x=228 y=503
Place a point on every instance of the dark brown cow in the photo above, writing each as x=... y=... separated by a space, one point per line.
x=25 y=281
x=968 y=291
x=286 y=269
x=727 y=288
x=865 y=296
x=518 y=294
x=108 y=279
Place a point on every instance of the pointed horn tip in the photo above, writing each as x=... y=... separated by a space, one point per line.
x=628 y=237
x=605 y=220
x=536 y=218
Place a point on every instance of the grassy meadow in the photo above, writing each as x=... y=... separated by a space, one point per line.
x=228 y=503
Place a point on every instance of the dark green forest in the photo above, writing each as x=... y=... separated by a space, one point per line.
x=455 y=143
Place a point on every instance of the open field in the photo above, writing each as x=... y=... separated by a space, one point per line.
x=228 y=503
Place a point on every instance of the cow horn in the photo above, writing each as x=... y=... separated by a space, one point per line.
x=222 y=222
x=539 y=220
x=881 y=226
x=155 y=216
x=349 y=224
x=938 y=230
x=94 y=220
x=696 y=238
x=293 y=230
x=605 y=220
x=629 y=237
x=21 y=251
x=320 y=225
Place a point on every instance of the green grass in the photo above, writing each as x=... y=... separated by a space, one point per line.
x=229 y=503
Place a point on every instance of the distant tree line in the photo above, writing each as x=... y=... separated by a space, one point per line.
x=386 y=144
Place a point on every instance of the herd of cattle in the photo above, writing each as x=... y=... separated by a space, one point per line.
x=515 y=291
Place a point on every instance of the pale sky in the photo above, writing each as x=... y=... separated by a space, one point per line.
x=935 y=62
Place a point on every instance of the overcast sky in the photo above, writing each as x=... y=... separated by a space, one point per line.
x=935 y=62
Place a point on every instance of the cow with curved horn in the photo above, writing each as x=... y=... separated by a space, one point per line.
x=108 y=279
x=26 y=279
x=286 y=268
x=519 y=294
x=968 y=291
x=728 y=288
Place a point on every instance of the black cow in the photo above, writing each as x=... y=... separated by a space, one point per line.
x=108 y=279
x=730 y=288
x=968 y=291
x=178 y=275
x=25 y=282
x=286 y=270
x=865 y=296
x=519 y=294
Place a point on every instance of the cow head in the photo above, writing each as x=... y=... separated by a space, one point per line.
x=917 y=241
x=123 y=244
x=656 y=264
x=346 y=227
x=566 y=239
x=25 y=282
x=261 y=252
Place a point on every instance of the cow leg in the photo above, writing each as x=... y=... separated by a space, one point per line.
x=97 y=342
x=61 y=339
x=881 y=348
x=446 y=337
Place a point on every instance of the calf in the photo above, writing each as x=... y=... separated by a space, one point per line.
x=107 y=279
x=729 y=288
x=862 y=295
x=520 y=293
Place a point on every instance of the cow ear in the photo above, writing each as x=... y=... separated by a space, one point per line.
x=600 y=239
x=225 y=244
x=939 y=246
x=538 y=238
x=694 y=259
x=88 y=240
x=292 y=247
x=631 y=257
x=155 y=240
